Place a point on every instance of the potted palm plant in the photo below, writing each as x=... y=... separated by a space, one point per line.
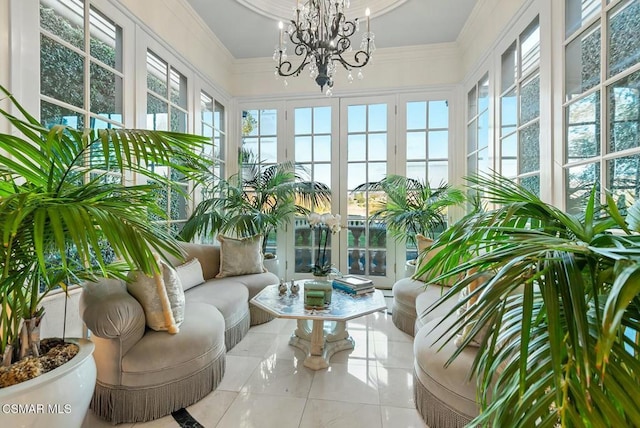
x=258 y=199
x=52 y=206
x=562 y=308
x=411 y=207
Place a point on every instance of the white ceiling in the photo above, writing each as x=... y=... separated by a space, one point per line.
x=248 y=33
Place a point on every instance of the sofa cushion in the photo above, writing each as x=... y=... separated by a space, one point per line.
x=159 y=358
x=425 y=300
x=451 y=384
x=257 y=282
x=228 y=295
x=240 y=256
x=190 y=274
x=161 y=297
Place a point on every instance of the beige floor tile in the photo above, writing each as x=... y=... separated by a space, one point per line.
x=92 y=421
x=263 y=411
x=166 y=422
x=396 y=387
x=347 y=382
x=254 y=345
x=238 y=370
x=338 y=414
x=211 y=408
x=395 y=417
x=280 y=377
x=393 y=354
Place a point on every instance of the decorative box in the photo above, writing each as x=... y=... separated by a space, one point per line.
x=317 y=293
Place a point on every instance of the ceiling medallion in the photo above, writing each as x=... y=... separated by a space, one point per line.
x=282 y=10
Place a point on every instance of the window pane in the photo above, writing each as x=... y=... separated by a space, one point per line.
x=250 y=122
x=532 y=184
x=509 y=68
x=483 y=130
x=377 y=117
x=438 y=144
x=582 y=63
x=509 y=112
x=357 y=118
x=624 y=177
x=417 y=115
x=357 y=173
x=580 y=180
x=269 y=149
x=377 y=147
x=106 y=40
x=529 y=148
x=438 y=114
x=51 y=114
x=416 y=145
x=302 y=122
x=530 y=100
x=357 y=147
x=178 y=89
x=322 y=148
x=472 y=103
x=178 y=120
x=472 y=137
x=61 y=72
x=577 y=12
x=157 y=74
x=417 y=170
x=322 y=174
x=322 y=120
x=65 y=20
x=157 y=114
x=303 y=149
x=106 y=92
x=483 y=94
x=438 y=173
x=530 y=47
x=624 y=43
x=624 y=116
x=268 y=122
x=583 y=128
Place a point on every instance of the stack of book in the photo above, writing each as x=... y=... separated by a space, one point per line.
x=352 y=284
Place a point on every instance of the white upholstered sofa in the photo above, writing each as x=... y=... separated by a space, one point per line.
x=145 y=374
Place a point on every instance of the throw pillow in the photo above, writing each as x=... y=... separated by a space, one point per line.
x=240 y=256
x=190 y=274
x=161 y=297
x=470 y=322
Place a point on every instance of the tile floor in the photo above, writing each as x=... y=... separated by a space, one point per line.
x=266 y=384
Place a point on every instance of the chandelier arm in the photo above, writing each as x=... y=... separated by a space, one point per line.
x=285 y=68
x=358 y=62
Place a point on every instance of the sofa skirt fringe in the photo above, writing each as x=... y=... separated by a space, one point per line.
x=434 y=412
x=234 y=334
x=118 y=404
x=403 y=321
x=259 y=316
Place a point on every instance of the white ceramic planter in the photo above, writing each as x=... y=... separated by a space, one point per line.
x=57 y=399
x=409 y=268
x=272 y=265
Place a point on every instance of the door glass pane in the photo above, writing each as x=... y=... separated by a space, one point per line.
x=509 y=112
x=178 y=89
x=416 y=145
x=105 y=90
x=529 y=148
x=51 y=114
x=624 y=177
x=157 y=74
x=578 y=12
x=416 y=115
x=157 y=114
x=530 y=100
x=580 y=180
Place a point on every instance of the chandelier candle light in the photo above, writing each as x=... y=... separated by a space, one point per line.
x=321 y=35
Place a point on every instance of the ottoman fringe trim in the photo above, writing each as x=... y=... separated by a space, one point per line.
x=234 y=334
x=119 y=404
x=436 y=413
x=259 y=316
x=403 y=321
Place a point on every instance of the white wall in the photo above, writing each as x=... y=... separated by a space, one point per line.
x=489 y=19
x=417 y=66
x=177 y=24
x=4 y=42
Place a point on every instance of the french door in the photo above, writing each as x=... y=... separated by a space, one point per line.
x=343 y=143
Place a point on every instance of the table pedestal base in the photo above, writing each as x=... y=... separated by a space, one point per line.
x=319 y=343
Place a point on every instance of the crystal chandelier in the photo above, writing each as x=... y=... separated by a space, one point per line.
x=321 y=35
